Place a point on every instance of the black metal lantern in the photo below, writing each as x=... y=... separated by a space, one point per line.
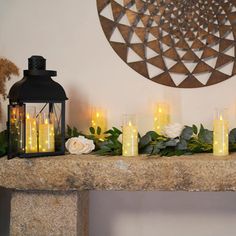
x=36 y=113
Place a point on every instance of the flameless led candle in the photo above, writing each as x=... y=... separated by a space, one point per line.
x=129 y=136
x=46 y=133
x=31 y=131
x=220 y=135
x=99 y=120
x=161 y=117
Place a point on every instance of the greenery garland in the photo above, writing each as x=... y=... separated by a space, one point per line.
x=192 y=140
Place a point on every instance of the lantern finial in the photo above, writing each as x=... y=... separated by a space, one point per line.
x=37 y=63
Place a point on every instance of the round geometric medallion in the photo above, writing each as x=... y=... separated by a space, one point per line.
x=178 y=43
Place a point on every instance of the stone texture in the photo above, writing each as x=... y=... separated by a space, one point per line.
x=202 y=172
x=39 y=213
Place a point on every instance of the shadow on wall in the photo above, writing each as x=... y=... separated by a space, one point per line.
x=5 y=198
x=78 y=113
x=173 y=97
x=162 y=213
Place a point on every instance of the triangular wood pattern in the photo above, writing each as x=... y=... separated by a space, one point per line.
x=223 y=60
x=202 y=67
x=121 y=49
x=209 y=52
x=180 y=31
x=197 y=44
x=140 y=67
x=107 y=26
x=158 y=62
x=189 y=81
x=117 y=10
x=171 y=53
x=139 y=48
x=141 y=33
x=132 y=17
x=190 y=56
x=225 y=44
x=164 y=79
x=217 y=77
x=155 y=46
x=101 y=4
x=179 y=68
x=125 y=32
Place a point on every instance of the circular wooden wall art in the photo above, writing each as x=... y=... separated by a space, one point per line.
x=178 y=43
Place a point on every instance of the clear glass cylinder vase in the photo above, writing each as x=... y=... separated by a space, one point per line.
x=31 y=136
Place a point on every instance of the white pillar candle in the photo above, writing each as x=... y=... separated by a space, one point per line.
x=220 y=134
x=129 y=136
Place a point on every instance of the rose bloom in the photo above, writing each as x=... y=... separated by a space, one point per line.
x=173 y=130
x=79 y=145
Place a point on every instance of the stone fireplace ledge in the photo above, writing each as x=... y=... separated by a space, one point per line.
x=202 y=172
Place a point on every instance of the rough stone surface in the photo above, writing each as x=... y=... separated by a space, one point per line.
x=41 y=213
x=202 y=172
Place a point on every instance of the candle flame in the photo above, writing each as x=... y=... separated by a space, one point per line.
x=27 y=116
x=130 y=124
x=221 y=118
x=97 y=114
x=160 y=110
x=46 y=121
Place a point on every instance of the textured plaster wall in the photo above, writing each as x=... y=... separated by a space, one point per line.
x=69 y=35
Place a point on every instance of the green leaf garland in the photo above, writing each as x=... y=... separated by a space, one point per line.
x=192 y=140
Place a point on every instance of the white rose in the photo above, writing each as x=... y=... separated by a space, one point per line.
x=173 y=130
x=79 y=145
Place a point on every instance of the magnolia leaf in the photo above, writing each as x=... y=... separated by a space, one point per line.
x=182 y=145
x=145 y=140
x=153 y=135
x=156 y=150
x=187 y=133
x=160 y=145
x=75 y=132
x=92 y=130
x=147 y=150
x=205 y=135
x=110 y=131
x=195 y=130
x=171 y=143
x=99 y=130
x=148 y=138
x=232 y=136
x=69 y=131
x=117 y=130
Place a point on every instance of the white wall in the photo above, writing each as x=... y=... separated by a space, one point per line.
x=69 y=35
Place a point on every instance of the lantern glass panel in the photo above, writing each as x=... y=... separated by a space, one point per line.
x=16 y=129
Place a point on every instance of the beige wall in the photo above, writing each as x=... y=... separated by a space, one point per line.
x=68 y=34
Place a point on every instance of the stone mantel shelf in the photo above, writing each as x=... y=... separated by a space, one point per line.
x=202 y=172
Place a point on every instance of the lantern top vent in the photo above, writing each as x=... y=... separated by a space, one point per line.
x=37 y=84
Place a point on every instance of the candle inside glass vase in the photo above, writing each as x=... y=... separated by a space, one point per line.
x=99 y=119
x=220 y=133
x=46 y=133
x=161 y=117
x=31 y=130
x=129 y=136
